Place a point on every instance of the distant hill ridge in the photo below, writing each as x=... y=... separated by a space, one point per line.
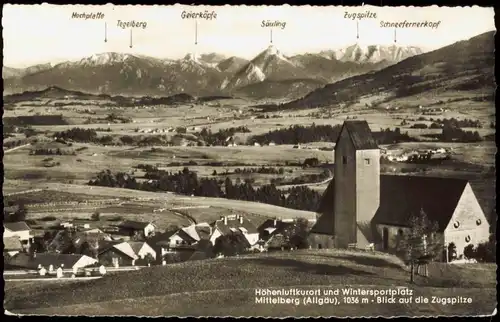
x=114 y=73
x=55 y=92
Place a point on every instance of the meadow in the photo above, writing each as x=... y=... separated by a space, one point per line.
x=227 y=287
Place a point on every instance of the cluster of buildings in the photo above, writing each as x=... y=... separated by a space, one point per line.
x=155 y=131
x=132 y=243
x=415 y=155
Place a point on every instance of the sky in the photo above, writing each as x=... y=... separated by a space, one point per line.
x=45 y=33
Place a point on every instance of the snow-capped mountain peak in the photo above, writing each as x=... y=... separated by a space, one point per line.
x=272 y=50
x=104 y=59
x=192 y=57
x=371 y=53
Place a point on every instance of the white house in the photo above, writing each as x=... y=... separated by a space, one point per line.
x=235 y=223
x=130 y=227
x=136 y=249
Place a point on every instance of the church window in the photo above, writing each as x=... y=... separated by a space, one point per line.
x=400 y=232
x=467 y=239
x=344 y=160
x=456 y=224
x=367 y=161
x=478 y=222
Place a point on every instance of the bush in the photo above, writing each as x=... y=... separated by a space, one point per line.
x=470 y=251
x=115 y=218
x=419 y=126
x=48 y=218
x=95 y=216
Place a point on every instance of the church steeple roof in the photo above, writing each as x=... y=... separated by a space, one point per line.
x=360 y=134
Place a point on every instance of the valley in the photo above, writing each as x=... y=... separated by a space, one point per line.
x=122 y=136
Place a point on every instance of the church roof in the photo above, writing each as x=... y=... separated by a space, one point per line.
x=400 y=198
x=360 y=134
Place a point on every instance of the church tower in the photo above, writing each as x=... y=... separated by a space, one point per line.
x=357 y=183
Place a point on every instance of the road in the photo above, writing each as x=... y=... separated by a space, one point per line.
x=17 y=147
x=286 y=186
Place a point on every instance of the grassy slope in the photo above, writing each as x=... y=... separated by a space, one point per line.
x=226 y=287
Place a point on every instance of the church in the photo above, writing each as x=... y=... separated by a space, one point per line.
x=363 y=209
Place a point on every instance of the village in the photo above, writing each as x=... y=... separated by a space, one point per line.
x=81 y=248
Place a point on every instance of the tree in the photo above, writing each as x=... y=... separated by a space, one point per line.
x=486 y=252
x=469 y=251
x=419 y=244
x=230 y=244
x=452 y=252
x=95 y=216
x=297 y=234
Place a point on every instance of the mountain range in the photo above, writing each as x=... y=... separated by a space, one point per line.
x=269 y=75
x=463 y=70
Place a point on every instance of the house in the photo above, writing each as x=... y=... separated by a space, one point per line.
x=68 y=261
x=108 y=255
x=182 y=253
x=132 y=228
x=191 y=234
x=234 y=224
x=273 y=226
x=272 y=233
x=11 y=210
x=12 y=246
x=160 y=242
x=362 y=208
x=19 y=229
x=84 y=241
x=185 y=236
x=126 y=253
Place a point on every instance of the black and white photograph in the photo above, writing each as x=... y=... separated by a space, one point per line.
x=249 y=161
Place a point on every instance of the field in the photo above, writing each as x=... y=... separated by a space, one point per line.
x=227 y=287
x=68 y=174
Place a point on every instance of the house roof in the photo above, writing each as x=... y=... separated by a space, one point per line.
x=160 y=238
x=127 y=249
x=277 y=241
x=130 y=224
x=400 y=198
x=360 y=134
x=233 y=222
x=204 y=230
x=16 y=226
x=186 y=236
x=107 y=244
x=191 y=231
x=61 y=241
x=44 y=259
x=11 y=209
x=80 y=237
x=136 y=246
x=279 y=227
x=12 y=243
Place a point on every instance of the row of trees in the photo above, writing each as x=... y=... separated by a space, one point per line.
x=298 y=134
x=261 y=170
x=453 y=122
x=454 y=134
x=307 y=178
x=186 y=182
x=219 y=138
x=56 y=151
